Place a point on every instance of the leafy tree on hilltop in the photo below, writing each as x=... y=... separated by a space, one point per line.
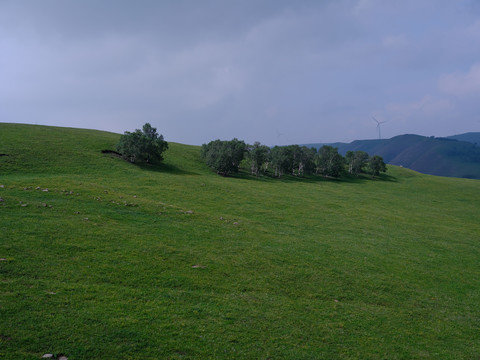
x=258 y=155
x=329 y=162
x=356 y=161
x=281 y=157
x=224 y=156
x=142 y=145
x=376 y=165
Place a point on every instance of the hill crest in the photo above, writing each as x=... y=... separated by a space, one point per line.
x=450 y=156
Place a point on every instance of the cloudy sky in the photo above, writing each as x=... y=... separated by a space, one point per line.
x=273 y=71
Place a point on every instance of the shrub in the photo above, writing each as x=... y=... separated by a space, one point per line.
x=142 y=145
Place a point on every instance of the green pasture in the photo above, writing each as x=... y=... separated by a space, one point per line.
x=103 y=259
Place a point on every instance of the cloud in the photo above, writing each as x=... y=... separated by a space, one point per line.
x=428 y=106
x=395 y=41
x=220 y=69
x=461 y=84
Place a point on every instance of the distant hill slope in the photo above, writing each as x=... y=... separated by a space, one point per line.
x=435 y=156
x=473 y=137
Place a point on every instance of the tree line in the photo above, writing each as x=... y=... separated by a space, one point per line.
x=225 y=157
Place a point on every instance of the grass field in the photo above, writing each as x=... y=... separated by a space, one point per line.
x=117 y=261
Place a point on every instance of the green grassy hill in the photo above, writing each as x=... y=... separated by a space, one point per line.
x=102 y=259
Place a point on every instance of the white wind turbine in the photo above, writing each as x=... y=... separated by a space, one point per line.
x=378 y=126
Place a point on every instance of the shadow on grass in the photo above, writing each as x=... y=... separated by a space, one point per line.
x=156 y=167
x=165 y=168
x=312 y=179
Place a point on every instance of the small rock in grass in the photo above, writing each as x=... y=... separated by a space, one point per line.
x=44 y=205
x=189 y=212
x=85 y=219
x=23 y=205
x=47 y=356
x=221 y=218
x=3 y=259
x=198 y=266
x=105 y=191
x=37 y=188
x=45 y=190
x=134 y=196
x=235 y=223
x=2 y=186
x=51 y=293
x=62 y=357
x=1 y=199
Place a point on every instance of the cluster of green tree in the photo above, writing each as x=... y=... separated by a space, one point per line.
x=144 y=145
x=225 y=158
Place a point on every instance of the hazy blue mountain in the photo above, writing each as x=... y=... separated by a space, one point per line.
x=429 y=155
x=473 y=137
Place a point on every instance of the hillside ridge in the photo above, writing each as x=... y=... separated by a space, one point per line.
x=451 y=156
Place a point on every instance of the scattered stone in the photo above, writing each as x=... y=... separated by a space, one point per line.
x=62 y=357
x=134 y=196
x=23 y=205
x=203 y=184
x=37 y=188
x=45 y=190
x=77 y=212
x=221 y=218
x=27 y=188
x=189 y=212
x=235 y=223
x=1 y=199
x=85 y=219
x=2 y=186
x=51 y=293
x=198 y=266
x=3 y=259
x=105 y=191
x=47 y=356
x=335 y=300
x=44 y=205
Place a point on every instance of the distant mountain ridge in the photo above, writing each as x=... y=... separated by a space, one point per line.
x=453 y=156
x=473 y=137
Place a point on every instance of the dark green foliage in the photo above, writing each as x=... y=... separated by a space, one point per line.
x=258 y=155
x=292 y=159
x=329 y=162
x=224 y=156
x=356 y=161
x=281 y=157
x=142 y=145
x=376 y=165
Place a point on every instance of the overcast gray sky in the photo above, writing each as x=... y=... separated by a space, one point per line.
x=273 y=71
